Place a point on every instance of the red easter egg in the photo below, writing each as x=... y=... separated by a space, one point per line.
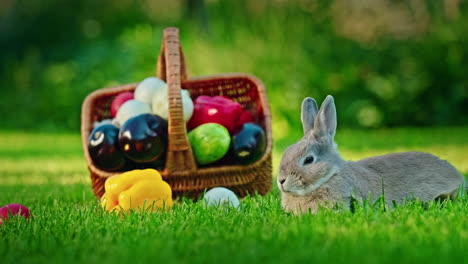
x=119 y=100
x=13 y=209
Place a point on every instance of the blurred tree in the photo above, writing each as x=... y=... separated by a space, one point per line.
x=195 y=10
x=388 y=63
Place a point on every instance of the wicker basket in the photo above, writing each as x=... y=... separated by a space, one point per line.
x=181 y=171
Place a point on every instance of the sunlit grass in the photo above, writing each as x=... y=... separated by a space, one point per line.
x=67 y=226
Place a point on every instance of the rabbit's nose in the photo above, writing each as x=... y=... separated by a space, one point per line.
x=281 y=181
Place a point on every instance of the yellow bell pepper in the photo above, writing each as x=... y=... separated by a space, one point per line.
x=137 y=189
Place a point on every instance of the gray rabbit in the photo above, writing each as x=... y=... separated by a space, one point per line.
x=312 y=173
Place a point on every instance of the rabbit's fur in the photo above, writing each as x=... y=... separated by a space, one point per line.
x=313 y=174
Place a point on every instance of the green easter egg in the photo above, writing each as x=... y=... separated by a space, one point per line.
x=210 y=142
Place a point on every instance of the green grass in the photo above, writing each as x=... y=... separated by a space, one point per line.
x=47 y=173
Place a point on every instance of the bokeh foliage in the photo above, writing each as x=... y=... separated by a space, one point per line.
x=388 y=63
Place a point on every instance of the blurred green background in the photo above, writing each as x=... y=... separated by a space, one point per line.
x=388 y=63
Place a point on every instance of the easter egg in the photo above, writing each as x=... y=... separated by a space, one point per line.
x=248 y=145
x=143 y=138
x=160 y=104
x=130 y=109
x=103 y=148
x=220 y=196
x=210 y=142
x=12 y=210
x=147 y=88
x=119 y=100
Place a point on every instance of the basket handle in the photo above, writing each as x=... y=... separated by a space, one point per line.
x=171 y=68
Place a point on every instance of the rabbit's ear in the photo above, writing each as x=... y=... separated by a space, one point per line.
x=325 y=123
x=308 y=114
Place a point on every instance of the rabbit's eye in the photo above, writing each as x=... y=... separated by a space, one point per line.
x=308 y=160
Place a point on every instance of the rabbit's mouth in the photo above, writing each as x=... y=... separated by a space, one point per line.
x=296 y=188
x=302 y=188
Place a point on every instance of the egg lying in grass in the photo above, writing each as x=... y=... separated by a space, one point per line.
x=131 y=109
x=13 y=210
x=147 y=88
x=220 y=196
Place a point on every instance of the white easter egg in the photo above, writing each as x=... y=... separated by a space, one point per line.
x=160 y=104
x=188 y=104
x=220 y=196
x=130 y=109
x=146 y=89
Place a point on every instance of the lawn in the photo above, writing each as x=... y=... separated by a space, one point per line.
x=47 y=173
